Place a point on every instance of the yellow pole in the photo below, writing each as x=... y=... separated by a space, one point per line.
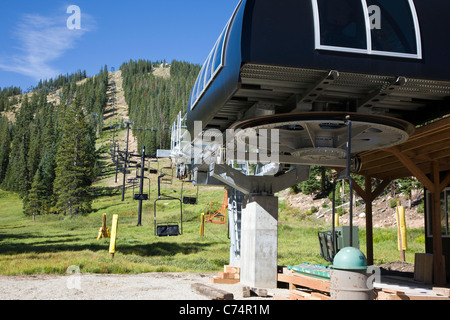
x=202 y=225
x=103 y=232
x=336 y=220
x=401 y=231
x=112 y=244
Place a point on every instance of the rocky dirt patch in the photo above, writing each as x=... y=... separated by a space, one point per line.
x=383 y=214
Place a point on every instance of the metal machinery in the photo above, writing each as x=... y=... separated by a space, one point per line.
x=281 y=86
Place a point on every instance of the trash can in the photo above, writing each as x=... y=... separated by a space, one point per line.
x=349 y=278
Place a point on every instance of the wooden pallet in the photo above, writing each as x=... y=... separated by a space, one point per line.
x=305 y=288
x=305 y=294
x=231 y=275
x=298 y=280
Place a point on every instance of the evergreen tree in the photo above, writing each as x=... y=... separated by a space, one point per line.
x=5 y=146
x=17 y=175
x=154 y=102
x=75 y=163
x=39 y=199
x=35 y=149
x=35 y=199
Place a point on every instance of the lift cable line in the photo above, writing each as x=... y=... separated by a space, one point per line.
x=141 y=196
x=126 y=153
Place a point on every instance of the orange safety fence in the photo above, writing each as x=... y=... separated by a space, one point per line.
x=216 y=214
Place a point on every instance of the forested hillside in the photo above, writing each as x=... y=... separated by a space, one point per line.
x=47 y=154
x=155 y=101
x=8 y=97
x=48 y=151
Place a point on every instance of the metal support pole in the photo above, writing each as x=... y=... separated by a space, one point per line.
x=125 y=163
x=346 y=175
x=349 y=165
x=333 y=220
x=117 y=162
x=141 y=187
x=114 y=138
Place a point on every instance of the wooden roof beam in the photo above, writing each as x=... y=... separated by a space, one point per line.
x=400 y=171
x=413 y=168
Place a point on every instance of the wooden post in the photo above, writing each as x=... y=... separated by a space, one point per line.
x=369 y=220
x=202 y=225
x=435 y=187
x=369 y=196
x=104 y=221
x=438 y=263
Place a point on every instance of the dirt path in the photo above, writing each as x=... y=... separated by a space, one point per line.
x=151 y=286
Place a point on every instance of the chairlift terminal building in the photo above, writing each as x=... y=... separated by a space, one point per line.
x=305 y=66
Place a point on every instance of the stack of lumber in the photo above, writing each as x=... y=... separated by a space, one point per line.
x=387 y=294
x=212 y=293
x=307 y=294
x=231 y=275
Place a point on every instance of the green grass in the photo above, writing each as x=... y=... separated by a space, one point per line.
x=51 y=244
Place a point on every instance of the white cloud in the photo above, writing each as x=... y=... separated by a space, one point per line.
x=41 y=40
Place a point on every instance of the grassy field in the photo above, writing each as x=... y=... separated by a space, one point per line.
x=50 y=244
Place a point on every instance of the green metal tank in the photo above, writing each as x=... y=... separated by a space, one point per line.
x=349 y=278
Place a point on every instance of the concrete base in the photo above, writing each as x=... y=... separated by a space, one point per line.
x=259 y=251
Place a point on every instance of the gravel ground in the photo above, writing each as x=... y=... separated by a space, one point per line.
x=153 y=286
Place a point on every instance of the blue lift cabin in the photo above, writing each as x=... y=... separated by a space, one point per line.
x=326 y=56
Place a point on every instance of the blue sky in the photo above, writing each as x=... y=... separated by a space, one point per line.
x=36 y=43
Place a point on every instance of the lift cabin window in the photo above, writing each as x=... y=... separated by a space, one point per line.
x=379 y=27
x=342 y=24
x=211 y=67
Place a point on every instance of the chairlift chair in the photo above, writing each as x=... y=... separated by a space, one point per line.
x=167 y=172
x=189 y=200
x=167 y=229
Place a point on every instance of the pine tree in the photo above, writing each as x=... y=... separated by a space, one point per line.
x=75 y=162
x=35 y=149
x=39 y=199
x=35 y=199
x=5 y=146
x=154 y=102
x=17 y=175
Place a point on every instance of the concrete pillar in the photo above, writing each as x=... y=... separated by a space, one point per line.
x=259 y=250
